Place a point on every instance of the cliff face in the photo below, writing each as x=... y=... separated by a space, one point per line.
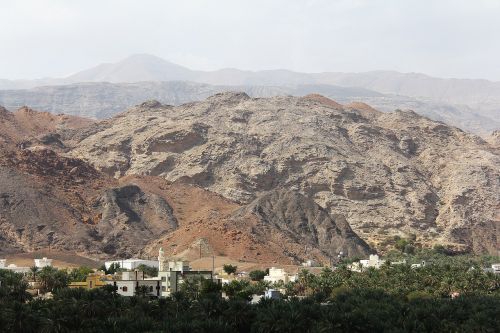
x=387 y=173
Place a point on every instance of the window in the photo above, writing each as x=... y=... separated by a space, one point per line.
x=164 y=278
x=163 y=288
x=150 y=289
x=124 y=288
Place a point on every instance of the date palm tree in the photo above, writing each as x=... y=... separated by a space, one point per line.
x=34 y=270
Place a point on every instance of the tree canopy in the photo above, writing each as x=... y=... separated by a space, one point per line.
x=229 y=269
x=394 y=298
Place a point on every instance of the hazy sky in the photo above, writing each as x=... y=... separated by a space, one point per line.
x=455 y=38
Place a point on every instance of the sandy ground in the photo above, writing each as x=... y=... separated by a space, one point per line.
x=60 y=259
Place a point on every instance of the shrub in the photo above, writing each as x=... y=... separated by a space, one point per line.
x=230 y=269
x=257 y=275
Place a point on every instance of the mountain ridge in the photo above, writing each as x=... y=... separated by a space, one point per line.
x=390 y=174
x=472 y=104
x=50 y=199
x=103 y=100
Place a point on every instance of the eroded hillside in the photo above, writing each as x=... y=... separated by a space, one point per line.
x=387 y=173
x=51 y=200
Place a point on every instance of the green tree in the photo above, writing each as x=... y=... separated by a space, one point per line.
x=400 y=244
x=148 y=270
x=196 y=287
x=80 y=274
x=13 y=286
x=229 y=269
x=34 y=270
x=238 y=289
x=52 y=279
x=259 y=287
x=257 y=275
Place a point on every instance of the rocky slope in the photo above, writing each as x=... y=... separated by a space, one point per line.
x=28 y=127
x=50 y=201
x=62 y=203
x=305 y=221
x=212 y=224
x=387 y=173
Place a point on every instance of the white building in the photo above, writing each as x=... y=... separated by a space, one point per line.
x=40 y=263
x=17 y=269
x=373 y=261
x=131 y=264
x=132 y=281
x=135 y=275
x=278 y=274
x=44 y=262
x=495 y=268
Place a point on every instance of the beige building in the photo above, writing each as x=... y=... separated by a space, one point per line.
x=278 y=274
x=172 y=273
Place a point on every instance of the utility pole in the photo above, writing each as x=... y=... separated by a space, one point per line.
x=213 y=266
x=200 y=249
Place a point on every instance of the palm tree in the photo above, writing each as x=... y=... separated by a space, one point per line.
x=34 y=270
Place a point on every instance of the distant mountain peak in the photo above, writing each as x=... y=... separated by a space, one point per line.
x=135 y=68
x=145 y=58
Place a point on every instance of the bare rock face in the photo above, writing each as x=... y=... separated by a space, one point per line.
x=305 y=222
x=387 y=173
x=63 y=203
x=128 y=217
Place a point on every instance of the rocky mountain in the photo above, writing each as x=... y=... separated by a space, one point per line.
x=102 y=100
x=27 y=127
x=461 y=116
x=303 y=219
x=51 y=200
x=473 y=105
x=136 y=68
x=389 y=174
